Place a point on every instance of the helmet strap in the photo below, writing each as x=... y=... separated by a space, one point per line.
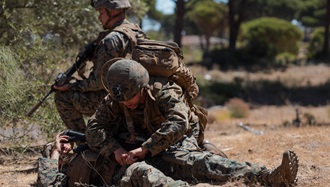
x=130 y=127
x=142 y=96
x=111 y=18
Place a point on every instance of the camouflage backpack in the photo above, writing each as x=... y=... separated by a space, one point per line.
x=165 y=59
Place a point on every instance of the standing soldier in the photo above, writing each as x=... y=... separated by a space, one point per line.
x=145 y=124
x=73 y=100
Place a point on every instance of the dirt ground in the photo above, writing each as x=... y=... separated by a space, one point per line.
x=311 y=143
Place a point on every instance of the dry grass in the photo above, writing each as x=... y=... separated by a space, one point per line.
x=311 y=143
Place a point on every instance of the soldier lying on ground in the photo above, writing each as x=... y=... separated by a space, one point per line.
x=163 y=124
x=60 y=166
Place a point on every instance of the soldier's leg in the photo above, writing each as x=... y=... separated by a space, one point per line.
x=207 y=166
x=143 y=174
x=72 y=105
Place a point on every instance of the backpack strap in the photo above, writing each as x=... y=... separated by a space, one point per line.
x=156 y=83
x=129 y=122
x=132 y=31
x=202 y=114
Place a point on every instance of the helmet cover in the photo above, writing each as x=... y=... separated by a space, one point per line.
x=125 y=78
x=110 y=4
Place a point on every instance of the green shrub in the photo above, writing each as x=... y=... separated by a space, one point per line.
x=267 y=37
x=26 y=73
x=315 y=45
x=13 y=84
x=238 y=108
x=285 y=58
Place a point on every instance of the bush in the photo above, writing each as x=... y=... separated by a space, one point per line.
x=238 y=108
x=267 y=37
x=13 y=85
x=26 y=73
x=315 y=45
x=285 y=59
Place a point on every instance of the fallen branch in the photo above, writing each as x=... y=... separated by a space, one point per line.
x=254 y=131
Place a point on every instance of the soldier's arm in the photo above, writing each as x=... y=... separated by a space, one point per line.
x=101 y=128
x=175 y=112
x=112 y=46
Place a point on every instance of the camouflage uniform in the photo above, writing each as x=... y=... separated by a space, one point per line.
x=85 y=95
x=74 y=168
x=168 y=125
x=164 y=126
x=48 y=174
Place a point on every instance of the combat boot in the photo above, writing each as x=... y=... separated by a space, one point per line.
x=285 y=174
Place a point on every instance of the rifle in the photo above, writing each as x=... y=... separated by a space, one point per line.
x=62 y=78
x=74 y=136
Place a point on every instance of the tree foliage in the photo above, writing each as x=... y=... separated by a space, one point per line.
x=270 y=36
x=316 y=42
x=316 y=13
x=311 y=12
x=210 y=18
x=245 y=10
x=67 y=22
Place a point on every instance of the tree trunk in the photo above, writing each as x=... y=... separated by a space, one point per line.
x=236 y=16
x=326 y=33
x=232 y=37
x=179 y=11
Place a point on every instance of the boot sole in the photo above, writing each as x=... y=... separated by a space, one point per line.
x=293 y=163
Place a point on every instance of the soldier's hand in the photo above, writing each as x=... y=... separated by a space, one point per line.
x=121 y=155
x=65 y=87
x=58 y=148
x=60 y=138
x=138 y=153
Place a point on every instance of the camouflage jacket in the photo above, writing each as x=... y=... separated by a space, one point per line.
x=163 y=121
x=114 y=44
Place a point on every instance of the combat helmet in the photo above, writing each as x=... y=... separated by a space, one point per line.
x=111 y=4
x=124 y=79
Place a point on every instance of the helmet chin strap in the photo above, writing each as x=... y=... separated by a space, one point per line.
x=112 y=17
x=142 y=94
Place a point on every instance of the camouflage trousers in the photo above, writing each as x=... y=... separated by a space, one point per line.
x=144 y=174
x=192 y=166
x=48 y=174
x=73 y=105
